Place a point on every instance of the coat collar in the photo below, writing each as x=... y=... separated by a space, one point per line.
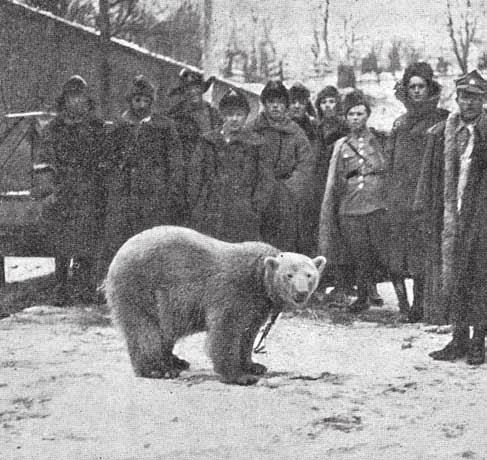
x=287 y=126
x=246 y=137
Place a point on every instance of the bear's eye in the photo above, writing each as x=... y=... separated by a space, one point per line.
x=309 y=275
x=289 y=275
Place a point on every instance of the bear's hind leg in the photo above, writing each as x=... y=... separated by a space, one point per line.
x=150 y=354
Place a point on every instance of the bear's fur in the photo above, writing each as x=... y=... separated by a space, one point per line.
x=170 y=282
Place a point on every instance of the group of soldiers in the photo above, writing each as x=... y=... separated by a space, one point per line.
x=304 y=177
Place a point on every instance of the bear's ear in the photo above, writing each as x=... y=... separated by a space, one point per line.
x=319 y=263
x=271 y=263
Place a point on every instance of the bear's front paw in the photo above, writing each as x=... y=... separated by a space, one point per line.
x=256 y=369
x=245 y=379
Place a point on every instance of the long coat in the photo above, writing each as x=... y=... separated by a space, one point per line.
x=457 y=242
x=145 y=179
x=74 y=211
x=190 y=126
x=405 y=151
x=310 y=210
x=329 y=130
x=231 y=187
x=288 y=149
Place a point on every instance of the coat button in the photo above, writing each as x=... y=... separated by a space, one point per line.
x=361 y=185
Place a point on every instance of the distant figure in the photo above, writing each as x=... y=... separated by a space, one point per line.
x=193 y=117
x=301 y=111
x=145 y=177
x=74 y=213
x=420 y=95
x=289 y=150
x=452 y=194
x=231 y=184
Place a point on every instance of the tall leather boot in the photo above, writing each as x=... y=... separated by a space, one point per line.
x=457 y=348
x=374 y=297
x=361 y=303
x=476 y=350
x=416 y=313
x=401 y=294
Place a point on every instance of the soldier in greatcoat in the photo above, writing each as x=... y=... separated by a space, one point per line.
x=193 y=117
x=452 y=193
x=420 y=95
x=232 y=184
x=301 y=111
x=289 y=150
x=74 y=211
x=145 y=173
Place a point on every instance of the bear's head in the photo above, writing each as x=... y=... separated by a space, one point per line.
x=292 y=278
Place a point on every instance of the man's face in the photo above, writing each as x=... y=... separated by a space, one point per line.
x=357 y=118
x=328 y=106
x=470 y=104
x=141 y=105
x=77 y=105
x=193 y=95
x=297 y=108
x=417 y=89
x=275 y=109
x=234 y=119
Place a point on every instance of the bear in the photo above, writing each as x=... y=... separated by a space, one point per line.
x=169 y=282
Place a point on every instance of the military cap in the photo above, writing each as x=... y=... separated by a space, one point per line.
x=233 y=99
x=274 y=89
x=189 y=78
x=141 y=86
x=299 y=92
x=73 y=86
x=472 y=82
x=353 y=99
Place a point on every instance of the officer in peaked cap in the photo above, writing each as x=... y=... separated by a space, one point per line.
x=472 y=82
x=459 y=147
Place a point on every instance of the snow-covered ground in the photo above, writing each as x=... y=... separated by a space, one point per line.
x=349 y=390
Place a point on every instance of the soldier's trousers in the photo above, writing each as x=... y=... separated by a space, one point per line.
x=367 y=238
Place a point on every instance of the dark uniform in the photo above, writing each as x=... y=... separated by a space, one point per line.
x=73 y=215
x=191 y=123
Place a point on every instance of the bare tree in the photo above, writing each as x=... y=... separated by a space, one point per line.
x=350 y=38
x=324 y=9
x=462 y=29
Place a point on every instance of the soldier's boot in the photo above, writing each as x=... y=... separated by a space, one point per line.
x=374 y=297
x=361 y=303
x=476 y=349
x=402 y=297
x=416 y=313
x=457 y=348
